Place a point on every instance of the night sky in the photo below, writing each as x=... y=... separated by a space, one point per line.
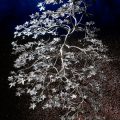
x=106 y=14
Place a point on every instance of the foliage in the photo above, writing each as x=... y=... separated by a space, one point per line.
x=57 y=68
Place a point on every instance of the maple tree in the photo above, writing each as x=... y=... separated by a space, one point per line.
x=56 y=67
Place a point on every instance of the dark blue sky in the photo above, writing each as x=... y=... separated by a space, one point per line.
x=107 y=12
x=13 y=12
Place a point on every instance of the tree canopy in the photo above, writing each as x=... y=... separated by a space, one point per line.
x=55 y=67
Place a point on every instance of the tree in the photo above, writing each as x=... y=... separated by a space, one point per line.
x=56 y=67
